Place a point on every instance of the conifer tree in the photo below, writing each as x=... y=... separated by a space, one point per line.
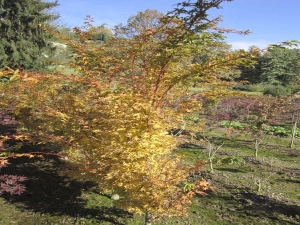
x=280 y=66
x=24 y=42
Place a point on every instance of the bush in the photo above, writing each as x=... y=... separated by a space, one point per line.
x=277 y=91
x=282 y=131
x=241 y=87
x=295 y=89
x=257 y=87
x=235 y=125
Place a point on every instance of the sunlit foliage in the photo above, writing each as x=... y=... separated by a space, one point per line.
x=111 y=118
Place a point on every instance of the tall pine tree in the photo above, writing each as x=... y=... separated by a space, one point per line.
x=23 y=41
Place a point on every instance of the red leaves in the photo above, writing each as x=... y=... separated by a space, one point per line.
x=11 y=184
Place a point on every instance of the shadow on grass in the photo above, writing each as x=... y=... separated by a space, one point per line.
x=191 y=145
x=294 y=154
x=49 y=192
x=231 y=170
x=256 y=208
x=241 y=203
x=289 y=181
x=268 y=207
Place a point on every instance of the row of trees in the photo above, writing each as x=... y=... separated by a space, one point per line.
x=254 y=116
x=276 y=66
x=25 y=44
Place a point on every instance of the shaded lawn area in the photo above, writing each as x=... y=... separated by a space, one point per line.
x=54 y=197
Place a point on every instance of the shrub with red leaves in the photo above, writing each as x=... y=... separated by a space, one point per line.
x=11 y=184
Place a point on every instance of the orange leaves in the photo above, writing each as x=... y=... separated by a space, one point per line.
x=3 y=162
x=22 y=137
x=26 y=77
x=202 y=185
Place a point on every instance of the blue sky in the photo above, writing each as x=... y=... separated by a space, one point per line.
x=270 y=21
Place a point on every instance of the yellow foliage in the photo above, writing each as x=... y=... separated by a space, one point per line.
x=121 y=138
x=112 y=117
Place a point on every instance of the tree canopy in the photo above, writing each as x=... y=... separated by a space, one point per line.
x=112 y=117
x=149 y=19
x=24 y=43
x=280 y=66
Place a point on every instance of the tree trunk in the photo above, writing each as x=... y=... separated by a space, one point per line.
x=259 y=186
x=256 y=147
x=293 y=135
x=210 y=157
x=147 y=218
x=294 y=128
x=211 y=165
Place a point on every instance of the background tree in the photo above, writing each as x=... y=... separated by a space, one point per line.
x=149 y=19
x=280 y=66
x=294 y=111
x=289 y=115
x=24 y=43
x=252 y=74
x=218 y=50
x=101 y=33
x=254 y=115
